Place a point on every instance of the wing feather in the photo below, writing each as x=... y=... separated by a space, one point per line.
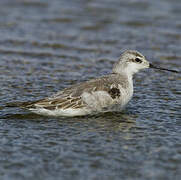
x=71 y=97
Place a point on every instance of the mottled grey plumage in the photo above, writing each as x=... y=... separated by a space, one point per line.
x=95 y=95
x=71 y=97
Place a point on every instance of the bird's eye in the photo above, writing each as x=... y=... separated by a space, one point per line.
x=138 y=60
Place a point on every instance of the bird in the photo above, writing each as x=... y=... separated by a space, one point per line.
x=103 y=94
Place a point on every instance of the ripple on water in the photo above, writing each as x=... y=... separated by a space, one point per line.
x=46 y=46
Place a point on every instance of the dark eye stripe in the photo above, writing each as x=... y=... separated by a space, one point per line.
x=138 y=60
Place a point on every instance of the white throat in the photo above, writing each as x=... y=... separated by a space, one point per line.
x=128 y=71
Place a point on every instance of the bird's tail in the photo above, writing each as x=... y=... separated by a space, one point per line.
x=21 y=104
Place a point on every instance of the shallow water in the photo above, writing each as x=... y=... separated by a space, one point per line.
x=48 y=45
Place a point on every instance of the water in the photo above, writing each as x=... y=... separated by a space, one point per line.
x=48 y=45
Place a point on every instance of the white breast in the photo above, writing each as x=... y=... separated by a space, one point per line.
x=126 y=95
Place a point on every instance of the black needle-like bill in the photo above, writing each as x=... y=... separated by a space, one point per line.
x=154 y=67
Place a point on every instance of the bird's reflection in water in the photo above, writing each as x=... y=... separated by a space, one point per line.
x=102 y=123
x=117 y=121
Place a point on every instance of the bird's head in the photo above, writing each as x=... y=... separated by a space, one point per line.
x=130 y=62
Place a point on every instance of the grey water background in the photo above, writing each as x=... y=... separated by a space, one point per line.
x=46 y=46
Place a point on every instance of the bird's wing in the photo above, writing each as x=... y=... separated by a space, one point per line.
x=63 y=101
x=72 y=97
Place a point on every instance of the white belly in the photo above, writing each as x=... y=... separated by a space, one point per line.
x=61 y=112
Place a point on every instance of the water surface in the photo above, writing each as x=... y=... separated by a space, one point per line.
x=46 y=46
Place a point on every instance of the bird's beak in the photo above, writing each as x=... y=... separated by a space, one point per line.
x=160 y=68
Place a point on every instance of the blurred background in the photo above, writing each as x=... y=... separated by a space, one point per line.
x=47 y=45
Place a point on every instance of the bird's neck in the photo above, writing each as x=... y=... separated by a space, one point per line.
x=128 y=71
x=127 y=74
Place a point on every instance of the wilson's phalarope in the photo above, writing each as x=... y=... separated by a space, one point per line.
x=97 y=95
